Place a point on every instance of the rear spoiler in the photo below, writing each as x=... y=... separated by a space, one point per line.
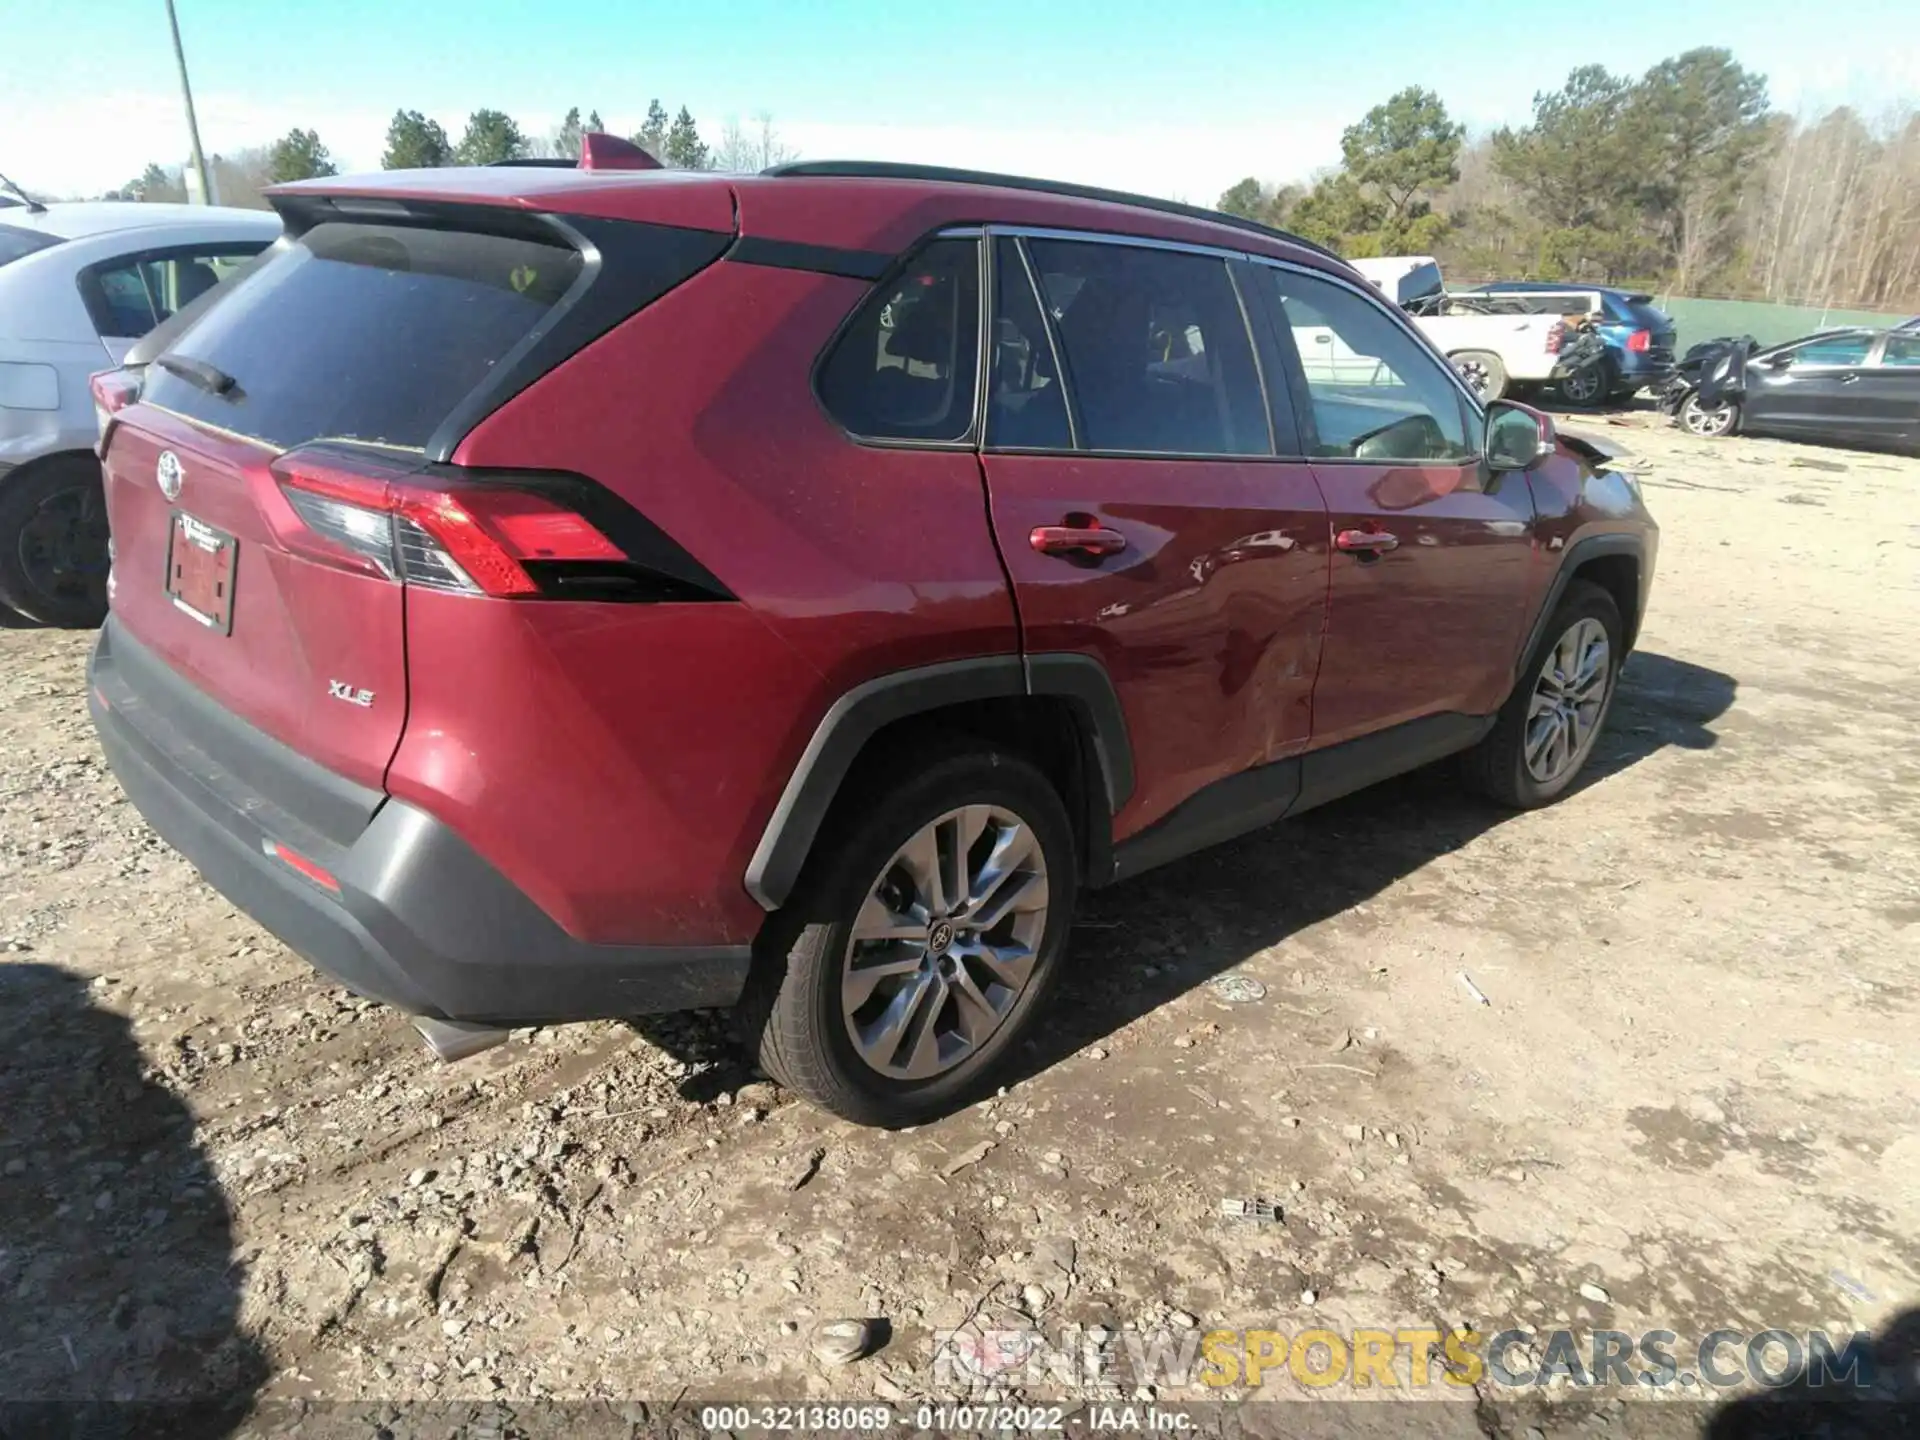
x=598 y=151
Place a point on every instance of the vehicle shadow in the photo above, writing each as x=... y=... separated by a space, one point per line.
x=1143 y=943
x=1882 y=1402
x=116 y=1243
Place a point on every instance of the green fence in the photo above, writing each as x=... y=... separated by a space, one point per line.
x=1698 y=320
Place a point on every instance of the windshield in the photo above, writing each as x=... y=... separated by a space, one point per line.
x=15 y=242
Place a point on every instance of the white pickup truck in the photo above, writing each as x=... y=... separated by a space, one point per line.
x=1494 y=352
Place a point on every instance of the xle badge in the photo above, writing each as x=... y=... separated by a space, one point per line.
x=340 y=690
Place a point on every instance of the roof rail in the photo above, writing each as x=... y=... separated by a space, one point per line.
x=896 y=170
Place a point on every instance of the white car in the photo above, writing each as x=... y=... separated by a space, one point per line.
x=1493 y=352
x=79 y=284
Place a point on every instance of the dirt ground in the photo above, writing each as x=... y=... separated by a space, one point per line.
x=1693 y=1088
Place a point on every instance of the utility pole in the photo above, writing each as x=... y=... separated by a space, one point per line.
x=193 y=125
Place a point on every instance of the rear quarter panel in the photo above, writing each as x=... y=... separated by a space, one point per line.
x=647 y=745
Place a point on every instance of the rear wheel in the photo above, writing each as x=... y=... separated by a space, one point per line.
x=53 y=543
x=912 y=962
x=1586 y=386
x=1484 y=372
x=1547 y=729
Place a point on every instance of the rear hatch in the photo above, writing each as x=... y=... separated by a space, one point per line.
x=258 y=486
x=1638 y=312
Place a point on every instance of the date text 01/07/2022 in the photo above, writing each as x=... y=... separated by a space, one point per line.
x=877 y=1419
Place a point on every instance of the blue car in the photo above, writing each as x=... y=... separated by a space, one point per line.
x=1639 y=337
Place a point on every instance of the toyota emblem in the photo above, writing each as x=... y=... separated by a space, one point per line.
x=169 y=474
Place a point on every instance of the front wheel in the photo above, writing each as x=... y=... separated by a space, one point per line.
x=1709 y=421
x=1546 y=731
x=908 y=968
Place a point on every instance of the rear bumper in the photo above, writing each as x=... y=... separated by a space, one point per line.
x=420 y=919
x=1642 y=368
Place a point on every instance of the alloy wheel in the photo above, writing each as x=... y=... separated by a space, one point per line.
x=1474 y=372
x=1709 y=421
x=1583 y=387
x=944 y=942
x=1569 y=697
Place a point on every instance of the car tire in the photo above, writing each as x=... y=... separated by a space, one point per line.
x=1484 y=372
x=1529 y=759
x=53 y=543
x=1586 y=387
x=914 y=1045
x=1715 y=423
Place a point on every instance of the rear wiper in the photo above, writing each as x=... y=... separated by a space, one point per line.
x=210 y=378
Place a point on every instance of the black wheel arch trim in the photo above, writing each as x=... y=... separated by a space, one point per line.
x=1593 y=547
x=857 y=716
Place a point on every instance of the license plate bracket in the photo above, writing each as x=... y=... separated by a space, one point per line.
x=201 y=563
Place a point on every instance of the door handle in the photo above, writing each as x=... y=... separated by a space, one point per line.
x=1076 y=540
x=1849 y=379
x=1366 y=542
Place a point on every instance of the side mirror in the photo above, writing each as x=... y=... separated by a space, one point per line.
x=1780 y=361
x=1518 y=437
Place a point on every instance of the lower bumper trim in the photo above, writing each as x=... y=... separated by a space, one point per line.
x=422 y=921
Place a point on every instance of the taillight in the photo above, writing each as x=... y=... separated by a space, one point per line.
x=113 y=391
x=1640 y=341
x=1556 y=337
x=393 y=518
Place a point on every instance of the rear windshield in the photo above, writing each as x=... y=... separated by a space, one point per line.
x=1637 y=310
x=15 y=242
x=365 y=332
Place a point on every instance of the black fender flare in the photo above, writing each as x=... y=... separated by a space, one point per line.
x=1571 y=559
x=857 y=716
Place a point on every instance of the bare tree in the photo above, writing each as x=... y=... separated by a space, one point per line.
x=745 y=149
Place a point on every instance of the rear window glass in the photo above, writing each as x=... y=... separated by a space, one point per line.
x=15 y=242
x=1627 y=310
x=366 y=332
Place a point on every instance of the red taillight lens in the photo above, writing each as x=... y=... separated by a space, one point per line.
x=1556 y=337
x=1640 y=341
x=388 y=518
x=113 y=391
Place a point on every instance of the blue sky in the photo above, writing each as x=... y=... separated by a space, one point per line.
x=1169 y=98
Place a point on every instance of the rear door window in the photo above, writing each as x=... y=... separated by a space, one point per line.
x=1027 y=408
x=129 y=297
x=1157 y=352
x=365 y=332
x=1901 y=350
x=905 y=368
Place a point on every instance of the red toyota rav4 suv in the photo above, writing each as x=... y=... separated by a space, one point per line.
x=548 y=594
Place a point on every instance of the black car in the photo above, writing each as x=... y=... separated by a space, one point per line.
x=1849 y=387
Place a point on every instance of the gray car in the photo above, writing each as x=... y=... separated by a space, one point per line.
x=79 y=285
